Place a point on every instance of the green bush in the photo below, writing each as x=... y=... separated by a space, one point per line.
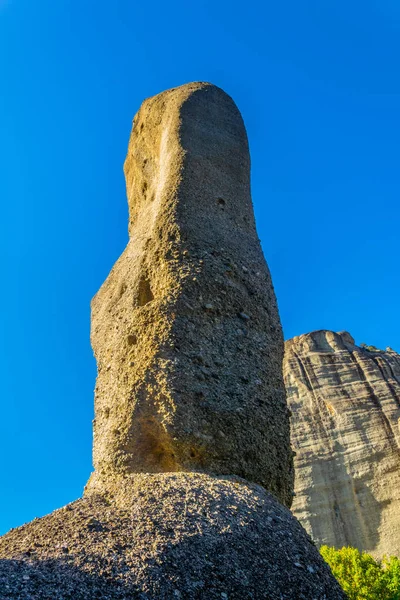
x=370 y=348
x=361 y=576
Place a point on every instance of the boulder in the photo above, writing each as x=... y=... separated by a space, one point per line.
x=166 y=536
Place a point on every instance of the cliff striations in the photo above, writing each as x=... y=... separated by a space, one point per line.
x=190 y=409
x=345 y=403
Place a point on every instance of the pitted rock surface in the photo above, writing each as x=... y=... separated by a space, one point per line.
x=185 y=329
x=345 y=403
x=166 y=537
x=189 y=347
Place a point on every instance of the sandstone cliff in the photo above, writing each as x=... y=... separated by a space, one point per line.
x=345 y=403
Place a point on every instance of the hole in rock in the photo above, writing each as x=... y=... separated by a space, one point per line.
x=122 y=290
x=145 y=295
x=132 y=339
x=221 y=202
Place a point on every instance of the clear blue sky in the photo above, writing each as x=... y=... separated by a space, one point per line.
x=318 y=85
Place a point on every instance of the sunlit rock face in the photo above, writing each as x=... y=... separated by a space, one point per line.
x=345 y=403
x=185 y=329
x=189 y=394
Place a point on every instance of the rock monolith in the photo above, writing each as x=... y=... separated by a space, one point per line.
x=345 y=403
x=185 y=329
x=189 y=395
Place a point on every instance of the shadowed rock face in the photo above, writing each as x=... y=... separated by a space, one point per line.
x=345 y=403
x=185 y=329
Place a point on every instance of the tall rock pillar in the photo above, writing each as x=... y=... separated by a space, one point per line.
x=189 y=393
x=185 y=329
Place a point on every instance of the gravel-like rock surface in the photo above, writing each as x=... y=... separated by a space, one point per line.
x=166 y=536
x=185 y=329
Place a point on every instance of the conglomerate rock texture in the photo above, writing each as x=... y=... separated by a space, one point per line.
x=345 y=403
x=185 y=329
x=166 y=536
x=189 y=348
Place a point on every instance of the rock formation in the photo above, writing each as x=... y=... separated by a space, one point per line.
x=345 y=403
x=189 y=347
x=185 y=329
x=170 y=535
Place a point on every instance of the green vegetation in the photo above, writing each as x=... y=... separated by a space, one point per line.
x=370 y=348
x=361 y=576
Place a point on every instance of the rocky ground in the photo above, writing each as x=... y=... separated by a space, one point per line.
x=166 y=536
